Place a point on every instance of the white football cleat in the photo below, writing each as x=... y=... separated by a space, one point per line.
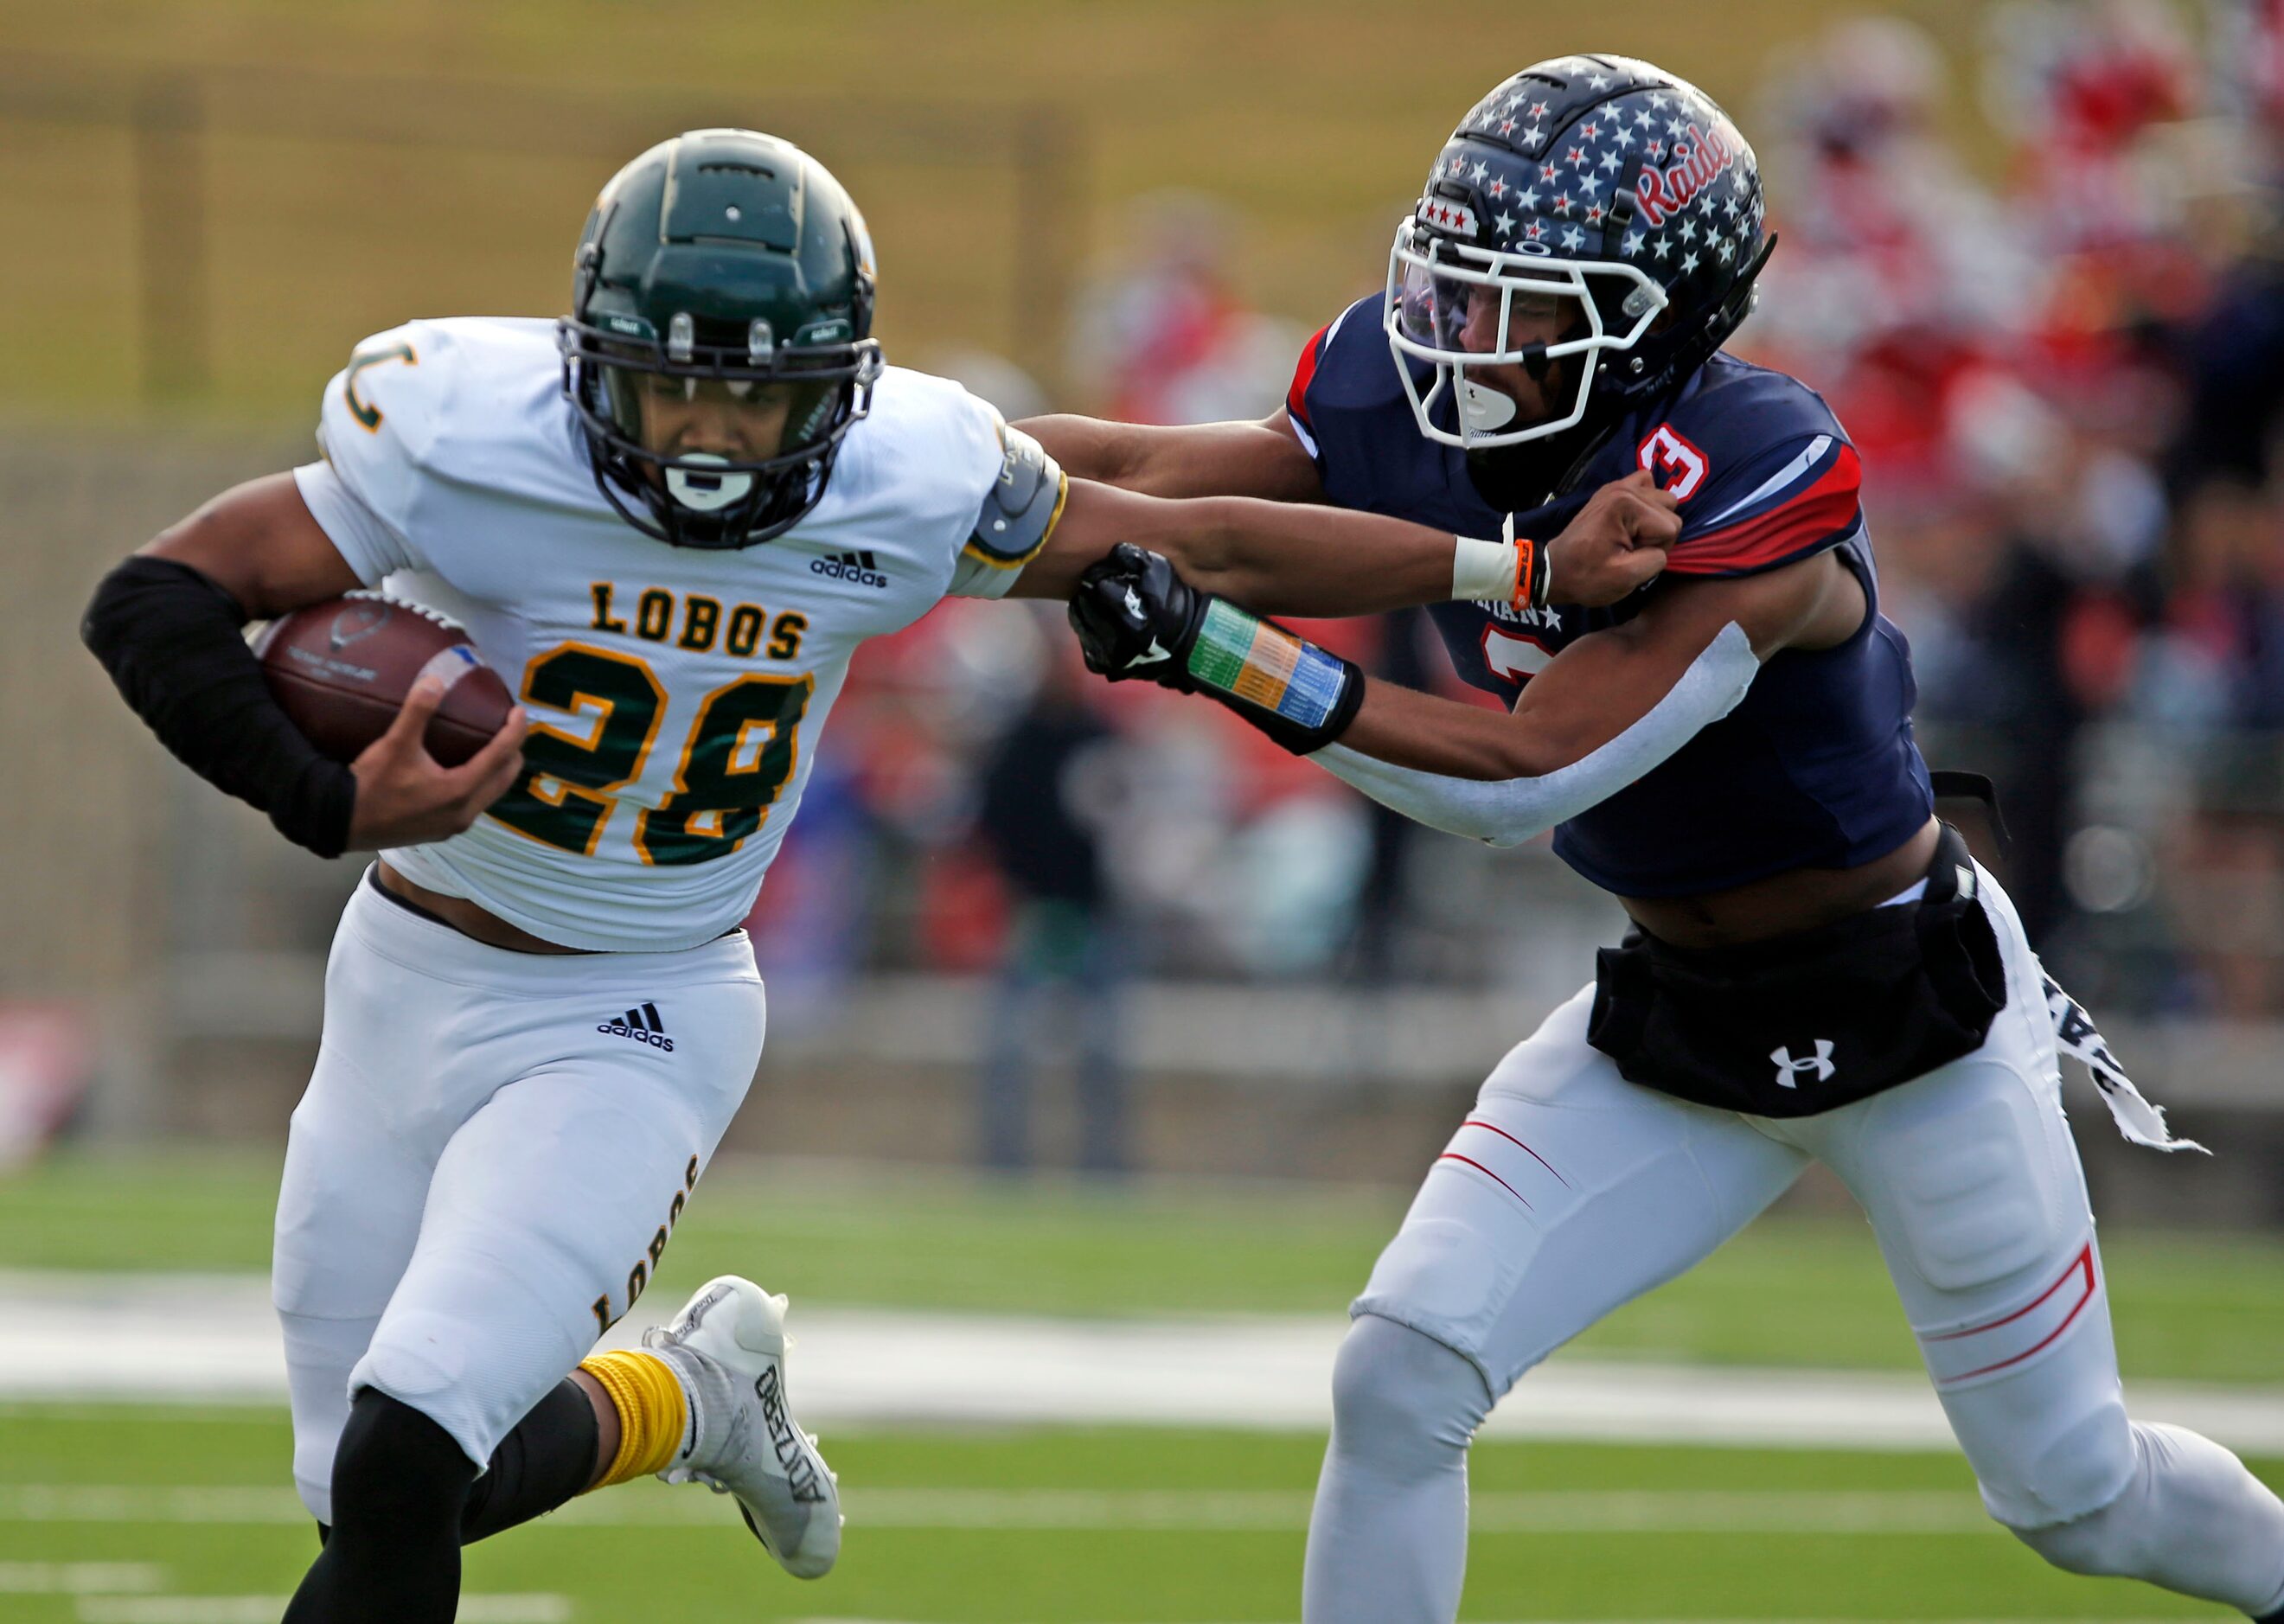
x=728 y=1347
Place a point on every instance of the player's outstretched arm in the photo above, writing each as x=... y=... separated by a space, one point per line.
x=1592 y=692
x=1281 y=558
x=1603 y=713
x=1263 y=459
x=169 y=626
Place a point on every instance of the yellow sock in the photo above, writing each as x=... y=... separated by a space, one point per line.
x=651 y=1411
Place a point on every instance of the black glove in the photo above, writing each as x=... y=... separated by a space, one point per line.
x=1136 y=617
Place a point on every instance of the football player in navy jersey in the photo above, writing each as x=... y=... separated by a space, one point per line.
x=1817 y=969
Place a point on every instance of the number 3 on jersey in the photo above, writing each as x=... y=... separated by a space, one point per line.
x=736 y=761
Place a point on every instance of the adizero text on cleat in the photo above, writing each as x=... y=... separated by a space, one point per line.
x=728 y=1346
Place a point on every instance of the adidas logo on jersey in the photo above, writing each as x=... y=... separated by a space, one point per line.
x=860 y=567
x=641 y=1024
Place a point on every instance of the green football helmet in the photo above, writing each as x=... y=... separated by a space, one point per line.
x=719 y=344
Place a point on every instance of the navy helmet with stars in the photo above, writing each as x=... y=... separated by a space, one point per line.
x=1597 y=188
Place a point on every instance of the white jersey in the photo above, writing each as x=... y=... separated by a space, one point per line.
x=679 y=693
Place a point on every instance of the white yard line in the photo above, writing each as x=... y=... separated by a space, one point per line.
x=212 y=1339
x=79 y=1577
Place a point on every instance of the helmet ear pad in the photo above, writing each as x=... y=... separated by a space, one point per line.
x=1676 y=345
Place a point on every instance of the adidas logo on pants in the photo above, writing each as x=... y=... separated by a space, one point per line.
x=641 y=1024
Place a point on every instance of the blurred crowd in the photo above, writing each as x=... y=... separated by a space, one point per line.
x=2059 y=343
x=2040 y=275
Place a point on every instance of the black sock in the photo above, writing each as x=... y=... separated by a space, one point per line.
x=393 y=1554
x=548 y=1458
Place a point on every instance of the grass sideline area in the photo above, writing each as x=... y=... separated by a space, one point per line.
x=145 y=1512
x=1788 y=1292
x=123 y=1514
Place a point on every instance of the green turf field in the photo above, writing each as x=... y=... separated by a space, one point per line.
x=1080 y=1527
x=2189 y=1307
x=163 y=1515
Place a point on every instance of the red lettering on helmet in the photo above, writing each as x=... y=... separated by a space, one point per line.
x=1650 y=193
x=1703 y=159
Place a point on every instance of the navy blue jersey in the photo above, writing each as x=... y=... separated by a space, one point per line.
x=1817 y=767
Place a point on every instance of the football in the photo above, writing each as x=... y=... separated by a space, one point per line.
x=341 y=670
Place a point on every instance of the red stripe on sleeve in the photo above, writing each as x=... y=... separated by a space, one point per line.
x=1296 y=398
x=1826 y=510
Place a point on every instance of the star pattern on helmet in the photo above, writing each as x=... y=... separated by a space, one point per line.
x=1572 y=202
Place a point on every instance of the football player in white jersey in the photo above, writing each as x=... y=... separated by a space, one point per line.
x=540 y=1013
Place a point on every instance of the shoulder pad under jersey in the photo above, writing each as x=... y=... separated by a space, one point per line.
x=1763 y=471
x=382 y=415
x=1345 y=367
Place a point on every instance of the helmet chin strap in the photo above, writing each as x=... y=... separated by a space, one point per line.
x=1484 y=410
x=706 y=493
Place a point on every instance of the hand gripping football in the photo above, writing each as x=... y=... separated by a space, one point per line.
x=341 y=669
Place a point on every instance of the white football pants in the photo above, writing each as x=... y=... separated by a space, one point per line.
x=1569 y=1192
x=491 y=1154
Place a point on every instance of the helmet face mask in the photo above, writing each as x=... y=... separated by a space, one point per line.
x=718 y=349
x=769 y=431
x=1461 y=311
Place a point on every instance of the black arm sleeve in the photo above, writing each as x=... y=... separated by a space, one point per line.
x=173 y=642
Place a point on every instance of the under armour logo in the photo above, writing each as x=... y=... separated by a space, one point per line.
x=1821 y=1064
x=1134 y=604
